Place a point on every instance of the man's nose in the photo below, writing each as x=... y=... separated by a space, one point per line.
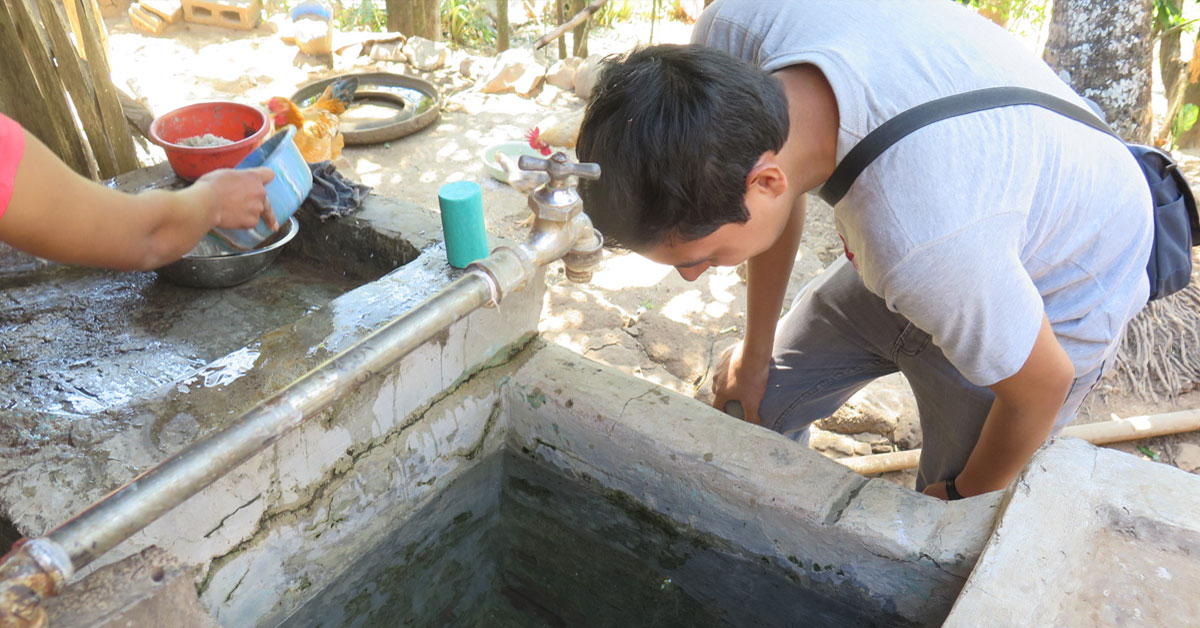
x=692 y=273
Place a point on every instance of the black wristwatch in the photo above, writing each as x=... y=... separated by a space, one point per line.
x=952 y=491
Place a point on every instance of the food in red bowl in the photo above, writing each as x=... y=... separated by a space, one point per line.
x=205 y=136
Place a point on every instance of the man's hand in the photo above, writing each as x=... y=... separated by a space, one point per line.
x=239 y=197
x=741 y=378
x=938 y=490
x=1021 y=416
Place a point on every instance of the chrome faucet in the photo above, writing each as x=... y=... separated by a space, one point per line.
x=560 y=230
x=559 y=220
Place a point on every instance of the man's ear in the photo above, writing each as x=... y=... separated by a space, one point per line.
x=767 y=177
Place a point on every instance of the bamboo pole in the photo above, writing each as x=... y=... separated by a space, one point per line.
x=1103 y=433
x=563 y=27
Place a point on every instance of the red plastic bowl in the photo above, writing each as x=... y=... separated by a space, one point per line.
x=245 y=125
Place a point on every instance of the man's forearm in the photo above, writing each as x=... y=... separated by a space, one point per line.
x=1021 y=416
x=766 y=283
x=1009 y=439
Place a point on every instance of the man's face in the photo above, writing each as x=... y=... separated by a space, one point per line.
x=729 y=245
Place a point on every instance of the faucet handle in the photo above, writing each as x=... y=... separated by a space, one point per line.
x=559 y=167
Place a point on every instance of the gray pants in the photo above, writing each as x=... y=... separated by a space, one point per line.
x=838 y=336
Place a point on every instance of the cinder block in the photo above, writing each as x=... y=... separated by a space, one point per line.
x=146 y=21
x=239 y=14
x=170 y=11
x=112 y=8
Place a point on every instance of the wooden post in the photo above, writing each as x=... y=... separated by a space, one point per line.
x=106 y=96
x=79 y=85
x=35 y=96
x=77 y=28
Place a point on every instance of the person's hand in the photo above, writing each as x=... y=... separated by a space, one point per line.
x=740 y=378
x=240 y=197
x=941 y=491
x=938 y=490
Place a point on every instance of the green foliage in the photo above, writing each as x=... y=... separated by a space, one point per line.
x=369 y=15
x=1168 y=18
x=1166 y=15
x=613 y=11
x=1013 y=12
x=467 y=23
x=1184 y=120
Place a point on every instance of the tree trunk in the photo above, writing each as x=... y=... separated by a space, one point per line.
x=502 y=25
x=1170 y=65
x=560 y=13
x=400 y=16
x=422 y=18
x=579 y=37
x=427 y=18
x=1191 y=137
x=1105 y=51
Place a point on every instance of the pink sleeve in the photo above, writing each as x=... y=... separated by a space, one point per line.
x=12 y=147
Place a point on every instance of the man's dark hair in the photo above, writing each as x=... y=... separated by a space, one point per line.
x=676 y=130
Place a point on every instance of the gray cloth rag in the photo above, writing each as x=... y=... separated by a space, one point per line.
x=332 y=194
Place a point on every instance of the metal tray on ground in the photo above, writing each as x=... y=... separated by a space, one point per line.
x=406 y=104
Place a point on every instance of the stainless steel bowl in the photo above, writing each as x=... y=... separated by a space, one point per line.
x=209 y=265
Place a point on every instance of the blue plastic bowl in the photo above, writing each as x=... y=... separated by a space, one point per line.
x=292 y=183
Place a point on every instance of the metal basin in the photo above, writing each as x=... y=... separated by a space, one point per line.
x=211 y=266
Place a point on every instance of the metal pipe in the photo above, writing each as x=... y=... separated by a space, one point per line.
x=34 y=570
x=133 y=507
x=38 y=568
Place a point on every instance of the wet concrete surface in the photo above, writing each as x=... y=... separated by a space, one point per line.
x=76 y=341
x=79 y=341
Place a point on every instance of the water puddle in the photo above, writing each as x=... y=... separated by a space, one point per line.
x=78 y=341
x=223 y=371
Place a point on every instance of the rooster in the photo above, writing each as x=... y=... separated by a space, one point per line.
x=557 y=130
x=534 y=136
x=317 y=134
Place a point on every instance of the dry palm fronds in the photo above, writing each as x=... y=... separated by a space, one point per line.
x=1160 y=353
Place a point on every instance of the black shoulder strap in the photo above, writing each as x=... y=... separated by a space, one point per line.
x=906 y=122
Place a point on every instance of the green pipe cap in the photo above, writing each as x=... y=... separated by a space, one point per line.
x=461 y=203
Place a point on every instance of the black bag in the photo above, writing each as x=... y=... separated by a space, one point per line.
x=1176 y=223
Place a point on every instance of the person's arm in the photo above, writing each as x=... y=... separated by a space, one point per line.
x=1020 y=419
x=742 y=372
x=57 y=214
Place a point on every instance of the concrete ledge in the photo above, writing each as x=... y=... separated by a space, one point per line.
x=862 y=541
x=341 y=478
x=146 y=589
x=1090 y=537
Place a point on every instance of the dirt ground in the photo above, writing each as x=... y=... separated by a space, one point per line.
x=637 y=316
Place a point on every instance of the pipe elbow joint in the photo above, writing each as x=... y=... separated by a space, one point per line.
x=33 y=571
x=584 y=256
